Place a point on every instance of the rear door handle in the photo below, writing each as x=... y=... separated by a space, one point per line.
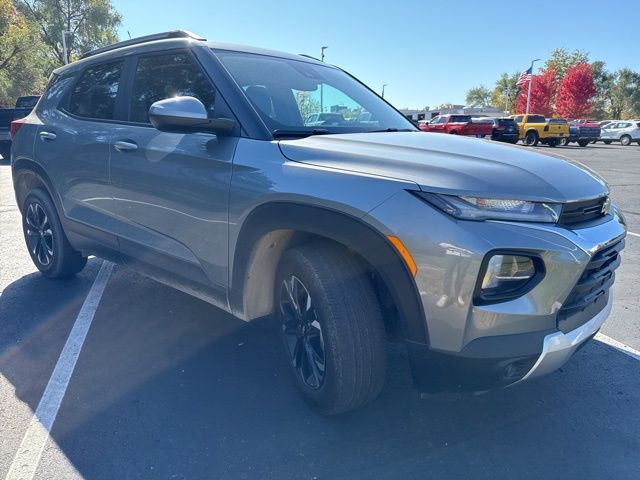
x=48 y=136
x=123 y=146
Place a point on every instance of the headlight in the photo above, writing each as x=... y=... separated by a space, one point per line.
x=505 y=276
x=477 y=208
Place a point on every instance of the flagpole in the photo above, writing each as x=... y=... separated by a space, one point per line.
x=530 y=83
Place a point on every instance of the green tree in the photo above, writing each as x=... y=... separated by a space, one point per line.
x=561 y=59
x=91 y=24
x=21 y=62
x=478 y=96
x=603 y=80
x=505 y=92
x=307 y=104
x=625 y=94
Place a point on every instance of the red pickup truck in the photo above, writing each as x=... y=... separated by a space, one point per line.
x=457 y=125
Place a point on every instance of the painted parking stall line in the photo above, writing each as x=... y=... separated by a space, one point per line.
x=25 y=462
x=633 y=234
x=626 y=349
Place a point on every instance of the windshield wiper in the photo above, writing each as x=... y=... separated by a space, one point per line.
x=391 y=130
x=280 y=133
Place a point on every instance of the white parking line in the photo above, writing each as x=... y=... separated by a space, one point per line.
x=634 y=234
x=27 y=457
x=626 y=349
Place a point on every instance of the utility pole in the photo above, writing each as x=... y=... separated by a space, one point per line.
x=530 y=83
x=322 y=49
x=383 y=85
x=65 y=53
x=506 y=101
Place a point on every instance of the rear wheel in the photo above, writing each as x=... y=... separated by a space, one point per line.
x=625 y=140
x=531 y=139
x=46 y=241
x=583 y=143
x=331 y=326
x=553 y=143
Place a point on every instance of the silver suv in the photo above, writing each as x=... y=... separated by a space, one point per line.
x=191 y=162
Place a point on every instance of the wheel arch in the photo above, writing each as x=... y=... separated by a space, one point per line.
x=270 y=229
x=27 y=175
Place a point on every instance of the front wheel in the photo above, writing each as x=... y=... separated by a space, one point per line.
x=564 y=142
x=607 y=142
x=531 y=139
x=331 y=326
x=625 y=140
x=48 y=246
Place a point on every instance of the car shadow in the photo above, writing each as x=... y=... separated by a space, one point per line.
x=168 y=386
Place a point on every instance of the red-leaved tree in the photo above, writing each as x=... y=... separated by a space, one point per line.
x=576 y=92
x=543 y=94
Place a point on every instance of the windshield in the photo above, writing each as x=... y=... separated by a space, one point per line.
x=294 y=96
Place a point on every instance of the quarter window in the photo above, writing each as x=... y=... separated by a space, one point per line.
x=94 y=96
x=165 y=76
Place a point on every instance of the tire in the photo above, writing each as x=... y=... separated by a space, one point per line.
x=341 y=332
x=638 y=142
x=583 y=143
x=46 y=241
x=513 y=142
x=453 y=133
x=531 y=139
x=625 y=140
x=607 y=142
x=564 y=142
x=553 y=143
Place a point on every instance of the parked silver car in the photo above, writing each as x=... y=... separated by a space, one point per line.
x=623 y=131
x=191 y=162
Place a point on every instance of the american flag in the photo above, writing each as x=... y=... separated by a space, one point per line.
x=524 y=77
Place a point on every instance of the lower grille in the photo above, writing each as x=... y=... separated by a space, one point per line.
x=575 y=213
x=591 y=293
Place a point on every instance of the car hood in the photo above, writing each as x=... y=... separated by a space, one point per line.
x=450 y=164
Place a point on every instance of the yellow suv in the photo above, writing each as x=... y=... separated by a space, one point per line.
x=535 y=128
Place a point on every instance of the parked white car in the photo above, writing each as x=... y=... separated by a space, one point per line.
x=624 y=132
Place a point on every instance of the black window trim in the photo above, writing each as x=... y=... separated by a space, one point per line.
x=63 y=105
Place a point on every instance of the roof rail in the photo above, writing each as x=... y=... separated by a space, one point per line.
x=145 y=39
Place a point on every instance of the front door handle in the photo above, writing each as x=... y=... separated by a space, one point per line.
x=48 y=136
x=123 y=146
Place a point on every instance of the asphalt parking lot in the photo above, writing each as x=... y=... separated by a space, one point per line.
x=169 y=387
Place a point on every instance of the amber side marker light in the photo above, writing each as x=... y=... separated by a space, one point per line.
x=404 y=253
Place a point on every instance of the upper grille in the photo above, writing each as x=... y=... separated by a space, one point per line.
x=591 y=293
x=575 y=213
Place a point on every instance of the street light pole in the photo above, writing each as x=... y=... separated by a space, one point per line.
x=322 y=49
x=383 y=85
x=64 y=46
x=506 y=101
x=530 y=83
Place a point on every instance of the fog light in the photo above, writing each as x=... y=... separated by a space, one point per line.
x=508 y=276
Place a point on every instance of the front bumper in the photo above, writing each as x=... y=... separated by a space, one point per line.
x=495 y=362
x=558 y=347
x=476 y=347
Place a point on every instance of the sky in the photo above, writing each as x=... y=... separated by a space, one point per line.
x=427 y=52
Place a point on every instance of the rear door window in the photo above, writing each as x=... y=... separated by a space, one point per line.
x=164 y=76
x=536 y=119
x=94 y=95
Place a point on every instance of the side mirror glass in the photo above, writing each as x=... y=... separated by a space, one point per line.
x=186 y=115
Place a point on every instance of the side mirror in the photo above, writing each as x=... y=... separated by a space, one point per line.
x=186 y=115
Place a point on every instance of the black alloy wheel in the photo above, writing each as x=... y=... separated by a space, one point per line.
x=302 y=332
x=39 y=234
